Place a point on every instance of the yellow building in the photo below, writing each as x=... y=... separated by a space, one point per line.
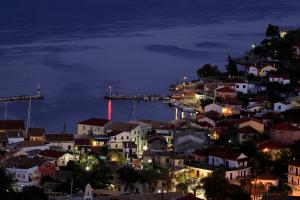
x=197 y=170
x=294 y=175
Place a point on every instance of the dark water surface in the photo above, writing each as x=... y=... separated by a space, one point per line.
x=75 y=49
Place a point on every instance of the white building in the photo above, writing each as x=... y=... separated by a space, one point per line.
x=282 y=106
x=235 y=163
x=253 y=70
x=60 y=141
x=25 y=171
x=213 y=107
x=27 y=146
x=58 y=157
x=281 y=79
x=94 y=126
x=124 y=132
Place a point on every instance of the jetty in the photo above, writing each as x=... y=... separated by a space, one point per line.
x=137 y=97
x=21 y=97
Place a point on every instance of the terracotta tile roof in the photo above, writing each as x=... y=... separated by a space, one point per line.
x=156 y=136
x=285 y=126
x=226 y=123
x=20 y=162
x=295 y=163
x=225 y=153
x=36 y=132
x=248 y=130
x=59 y=137
x=204 y=124
x=246 y=119
x=121 y=126
x=12 y=125
x=202 y=152
x=83 y=142
x=114 y=132
x=51 y=154
x=159 y=124
x=234 y=80
x=226 y=89
x=94 y=122
x=267 y=176
x=212 y=115
x=26 y=144
x=269 y=144
x=188 y=197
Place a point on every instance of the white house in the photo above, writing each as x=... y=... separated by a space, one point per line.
x=117 y=138
x=265 y=70
x=14 y=136
x=251 y=122
x=253 y=70
x=282 y=106
x=124 y=132
x=281 y=79
x=59 y=158
x=27 y=146
x=94 y=126
x=213 y=107
x=25 y=171
x=60 y=141
x=235 y=163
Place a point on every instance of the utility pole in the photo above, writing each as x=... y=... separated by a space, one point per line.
x=5 y=111
x=71 y=188
x=28 y=117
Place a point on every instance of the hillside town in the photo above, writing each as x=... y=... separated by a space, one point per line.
x=237 y=137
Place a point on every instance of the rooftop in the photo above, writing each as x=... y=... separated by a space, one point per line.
x=59 y=137
x=285 y=126
x=51 y=153
x=94 y=122
x=12 y=125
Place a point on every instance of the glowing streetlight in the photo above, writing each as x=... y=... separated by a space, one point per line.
x=145 y=148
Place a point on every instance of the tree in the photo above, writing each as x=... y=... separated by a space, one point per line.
x=208 y=70
x=272 y=31
x=182 y=187
x=231 y=67
x=6 y=181
x=152 y=173
x=217 y=187
x=33 y=193
x=128 y=175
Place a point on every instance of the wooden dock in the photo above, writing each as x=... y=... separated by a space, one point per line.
x=22 y=97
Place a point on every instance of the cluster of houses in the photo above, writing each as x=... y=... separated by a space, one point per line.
x=184 y=146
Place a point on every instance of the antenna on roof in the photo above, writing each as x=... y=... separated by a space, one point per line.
x=38 y=89
x=64 y=128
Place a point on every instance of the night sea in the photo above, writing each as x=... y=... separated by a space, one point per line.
x=75 y=49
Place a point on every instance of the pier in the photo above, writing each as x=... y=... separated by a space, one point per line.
x=21 y=97
x=136 y=97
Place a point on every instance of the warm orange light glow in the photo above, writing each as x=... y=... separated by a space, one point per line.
x=94 y=143
x=226 y=111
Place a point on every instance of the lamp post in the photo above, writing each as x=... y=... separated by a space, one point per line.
x=162 y=190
